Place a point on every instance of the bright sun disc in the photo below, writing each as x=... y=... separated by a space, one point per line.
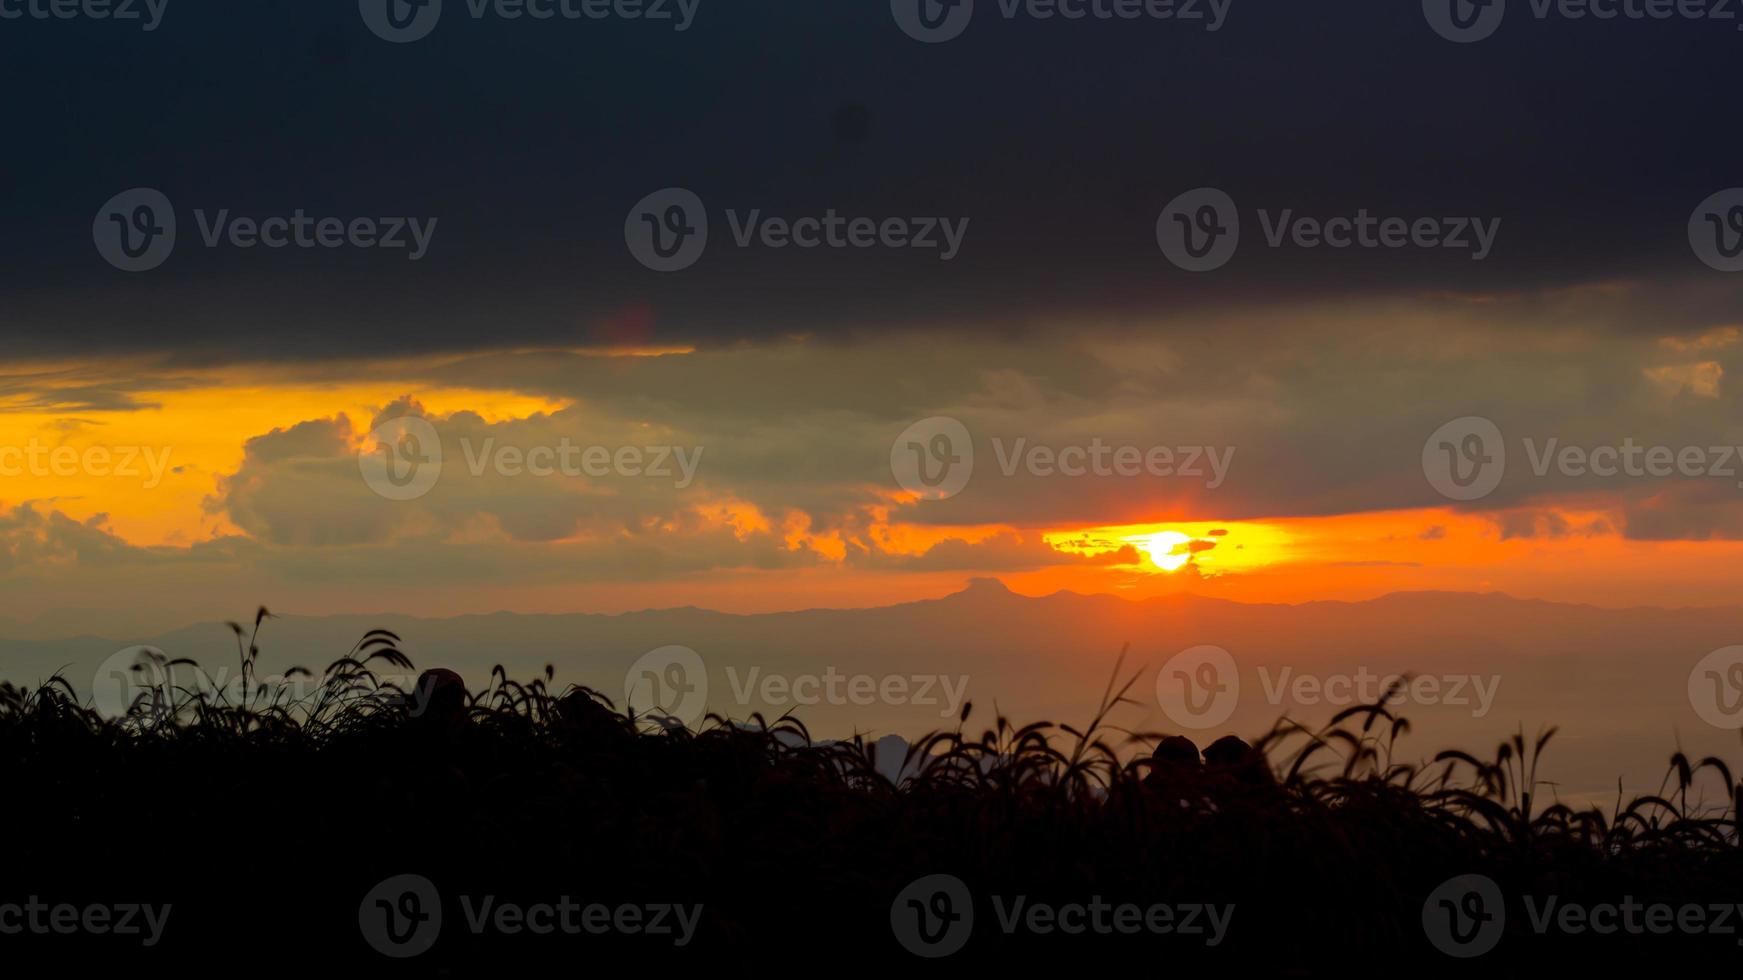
x=1165 y=549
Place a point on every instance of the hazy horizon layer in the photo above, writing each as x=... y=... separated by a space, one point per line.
x=1617 y=683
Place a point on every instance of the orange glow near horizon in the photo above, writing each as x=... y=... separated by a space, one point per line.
x=1570 y=551
x=195 y=435
x=1212 y=547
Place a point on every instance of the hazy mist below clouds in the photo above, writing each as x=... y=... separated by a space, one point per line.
x=1616 y=682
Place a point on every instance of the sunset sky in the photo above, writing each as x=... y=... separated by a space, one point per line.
x=257 y=493
x=253 y=376
x=756 y=435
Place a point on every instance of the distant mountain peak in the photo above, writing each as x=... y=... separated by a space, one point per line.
x=986 y=586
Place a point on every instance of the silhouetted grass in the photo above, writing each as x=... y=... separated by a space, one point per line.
x=264 y=810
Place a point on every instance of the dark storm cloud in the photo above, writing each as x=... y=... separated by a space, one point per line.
x=529 y=141
x=76 y=390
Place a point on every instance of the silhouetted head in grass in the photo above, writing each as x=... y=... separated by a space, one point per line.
x=580 y=713
x=1175 y=764
x=1234 y=757
x=780 y=833
x=440 y=697
x=1176 y=751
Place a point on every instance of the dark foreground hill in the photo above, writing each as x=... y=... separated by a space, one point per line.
x=525 y=830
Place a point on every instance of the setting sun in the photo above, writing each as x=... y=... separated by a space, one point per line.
x=1211 y=548
x=1170 y=550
